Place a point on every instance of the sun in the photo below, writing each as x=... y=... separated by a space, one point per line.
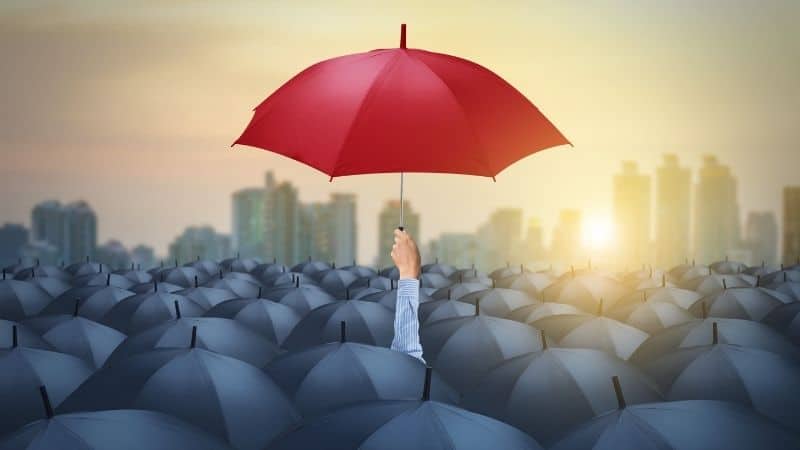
x=597 y=233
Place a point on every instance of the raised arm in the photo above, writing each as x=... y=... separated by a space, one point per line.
x=406 y=321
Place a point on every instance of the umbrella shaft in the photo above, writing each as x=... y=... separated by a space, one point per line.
x=401 y=200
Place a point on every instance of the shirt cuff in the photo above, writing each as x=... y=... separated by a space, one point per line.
x=408 y=287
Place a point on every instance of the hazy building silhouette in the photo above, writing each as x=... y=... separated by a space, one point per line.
x=761 y=237
x=388 y=220
x=566 y=241
x=143 y=257
x=199 y=242
x=534 y=242
x=114 y=255
x=71 y=229
x=632 y=215
x=286 y=234
x=673 y=212
x=791 y=224
x=716 y=227
x=501 y=239
x=344 y=229
x=458 y=249
x=13 y=238
x=42 y=252
x=248 y=230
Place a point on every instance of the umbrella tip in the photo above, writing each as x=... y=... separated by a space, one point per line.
x=194 y=336
x=618 y=390
x=343 y=332
x=478 y=307
x=77 y=305
x=544 y=339
x=426 y=388
x=177 y=310
x=14 y=339
x=259 y=292
x=402 y=35
x=714 y=334
x=704 y=310
x=48 y=408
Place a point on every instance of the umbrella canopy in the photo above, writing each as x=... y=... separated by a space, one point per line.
x=691 y=273
x=93 y=301
x=727 y=267
x=506 y=272
x=790 y=288
x=463 y=349
x=244 y=265
x=127 y=429
x=14 y=334
x=156 y=286
x=693 y=424
x=709 y=284
x=782 y=276
x=390 y=272
x=264 y=270
x=212 y=391
x=442 y=269
x=367 y=323
x=361 y=271
x=531 y=313
x=184 y=276
x=786 y=320
x=20 y=299
x=241 y=288
x=23 y=370
x=651 y=317
x=740 y=303
x=207 y=297
x=586 y=331
x=434 y=310
x=137 y=276
x=223 y=336
x=458 y=290
x=585 y=291
x=104 y=279
x=53 y=286
x=547 y=393
x=137 y=313
x=311 y=268
x=287 y=279
x=377 y=281
x=434 y=280
x=42 y=271
x=301 y=297
x=78 y=336
x=208 y=266
x=531 y=282
x=360 y=293
x=677 y=296
x=85 y=268
x=323 y=378
x=441 y=113
x=389 y=299
x=498 y=302
x=336 y=282
x=401 y=425
x=699 y=332
x=756 y=378
x=760 y=270
x=270 y=319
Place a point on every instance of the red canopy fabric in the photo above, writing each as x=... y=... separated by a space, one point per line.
x=400 y=110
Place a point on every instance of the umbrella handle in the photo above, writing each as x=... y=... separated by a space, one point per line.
x=400 y=227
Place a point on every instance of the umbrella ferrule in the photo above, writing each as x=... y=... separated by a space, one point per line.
x=426 y=388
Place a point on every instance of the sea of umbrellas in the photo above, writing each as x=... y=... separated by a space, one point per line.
x=243 y=354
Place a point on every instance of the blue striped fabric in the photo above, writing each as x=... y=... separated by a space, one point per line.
x=406 y=321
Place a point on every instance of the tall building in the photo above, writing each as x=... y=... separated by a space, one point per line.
x=344 y=233
x=143 y=256
x=284 y=223
x=13 y=238
x=249 y=230
x=458 y=249
x=566 y=245
x=716 y=227
x=761 y=237
x=200 y=242
x=388 y=220
x=501 y=239
x=673 y=212
x=114 y=255
x=71 y=229
x=791 y=224
x=632 y=215
x=534 y=242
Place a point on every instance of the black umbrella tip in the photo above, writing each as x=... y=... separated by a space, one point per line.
x=259 y=292
x=544 y=339
x=477 y=307
x=426 y=388
x=48 y=408
x=714 y=334
x=618 y=390
x=14 y=339
x=77 y=306
x=343 y=332
x=177 y=309
x=108 y=279
x=194 y=337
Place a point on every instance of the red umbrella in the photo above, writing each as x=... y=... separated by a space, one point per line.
x=400 y=110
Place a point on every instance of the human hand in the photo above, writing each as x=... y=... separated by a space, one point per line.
x=405 y=255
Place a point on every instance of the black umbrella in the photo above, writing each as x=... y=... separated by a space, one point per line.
x=336 y=281
x=286 y=279
x=471 y=276
x=531 y=282
x=378 y=282
x=432 y=311
x=311 y=268
x=531 y=313
x=463 y=349
x=751 y=303
x=53 y=286
x=790 y=288
x=24 y=369
x=267 y=269
x=435 y=280
x=760 y=379
x=507 y=271
x=361 y=271
x=693 y=424
x=728 y=267
x=222 y=395
x=20 y=299
x=405 y=424
x=760 y=270
x=184 y=276
x=390 y=272
x=126 y=429
x=367 y=323
x=699 y=332
x=242 y=288
x=42 y=271
x=585 y=290
x=137 y=313
x=651 y=316
x=677 y=296
x=137 y=276
x=781 y=276
x=243 y=276
x=436 y=267
x=85 y=268
x=205 y=265
x=244 y=265
x=389 y=298
x=207 y=297
x=691 y=273
x=14 y=334
x=786 y=320
x=94 y=301
x=456 y=291
x=156 y=286
x=498 y=302
x=586 y=331
x=709 y=284
x=219 y=335
x=300 y=297
x=104 y=279
x=323 y=378
x=361 y=293
x=78 y=336
x=547 y=393
x=268 y=318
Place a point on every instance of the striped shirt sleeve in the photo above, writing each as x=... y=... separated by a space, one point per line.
x=406 y=321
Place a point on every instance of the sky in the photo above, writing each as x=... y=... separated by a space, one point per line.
x=132 y=105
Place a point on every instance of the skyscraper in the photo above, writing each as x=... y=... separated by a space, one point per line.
x=388 y=220
x=632 y=215
x=791 y=224
x=534 y=242
x=565 y=247
x=761 y=237
x=458 y=249
x=673 y=209
x=13 y=238
x=501 y=239
x=344 y=228
x=283 y=222
x=249 y=230
x=71 y=229
x=716 y=227
x=200 y=242
x=114 y=255
x=48 y=224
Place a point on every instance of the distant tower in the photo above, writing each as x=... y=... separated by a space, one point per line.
x=673 y=212
x=248 y=218
x=716 y=228
x=501 y=239
x=344 y=228
x=761 y=237
x=567 y=237
x=534 y=242
x=791 y=224
x=632 y=215
x=13 y=238
x=388 y=220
